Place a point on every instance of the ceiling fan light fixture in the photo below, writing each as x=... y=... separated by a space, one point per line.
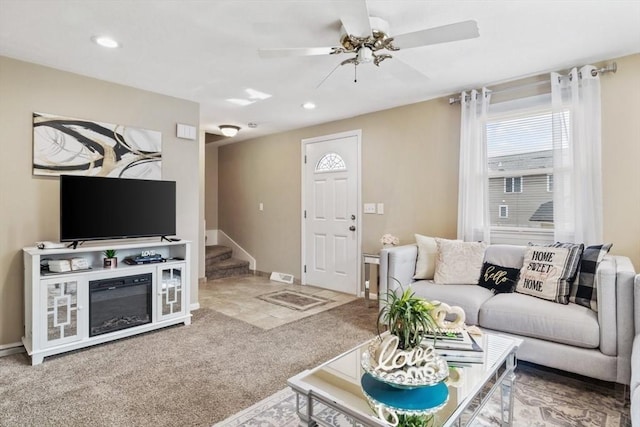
x=229 y=130
x=365 y=54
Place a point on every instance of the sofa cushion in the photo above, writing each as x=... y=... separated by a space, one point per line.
x=498 y=279
x=583 y=290
x=546 y=272
x=533 y=317
x=470 y=298
x=427 y=253
x=458 y=262
x=510 y=256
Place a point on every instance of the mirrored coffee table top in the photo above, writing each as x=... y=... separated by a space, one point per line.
x=338 y=382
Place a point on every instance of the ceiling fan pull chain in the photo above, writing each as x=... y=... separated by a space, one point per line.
x=355 y=72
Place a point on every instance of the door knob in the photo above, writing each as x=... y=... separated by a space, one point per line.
x=352 y=228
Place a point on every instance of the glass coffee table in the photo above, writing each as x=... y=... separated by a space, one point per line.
x=332 y=395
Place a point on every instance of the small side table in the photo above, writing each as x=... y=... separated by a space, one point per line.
x=367 y=261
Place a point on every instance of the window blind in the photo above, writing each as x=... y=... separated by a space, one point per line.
x=520 y=169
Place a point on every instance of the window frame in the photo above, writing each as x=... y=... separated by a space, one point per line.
x=506 y=211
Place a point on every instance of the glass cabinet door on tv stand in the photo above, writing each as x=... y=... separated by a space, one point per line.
x=171 y=296
x=60 y=311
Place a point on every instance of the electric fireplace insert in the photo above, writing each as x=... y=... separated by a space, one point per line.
x=119 y=303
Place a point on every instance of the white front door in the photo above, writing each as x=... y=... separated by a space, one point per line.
x=331 y=225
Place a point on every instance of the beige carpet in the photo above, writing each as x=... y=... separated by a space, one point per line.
x=201 y=374
x=180 y=376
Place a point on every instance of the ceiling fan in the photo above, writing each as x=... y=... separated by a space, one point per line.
x=368 y=39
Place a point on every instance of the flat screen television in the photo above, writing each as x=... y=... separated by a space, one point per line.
x=96 y=208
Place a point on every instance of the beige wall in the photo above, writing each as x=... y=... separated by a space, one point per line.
x=211 y=186
x=410 y=163
x=30 y=204
x=621 y=158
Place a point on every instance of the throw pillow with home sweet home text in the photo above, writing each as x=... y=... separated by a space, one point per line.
x=543 y=274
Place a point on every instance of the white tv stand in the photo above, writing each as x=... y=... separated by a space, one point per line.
x=57 y=305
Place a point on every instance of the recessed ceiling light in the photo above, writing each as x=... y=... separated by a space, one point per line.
x=240 y=101
x=308 y=105
x=105 y=41
x=256 y=94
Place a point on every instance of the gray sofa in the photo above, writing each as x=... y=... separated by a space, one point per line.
x=634 y=387
x=568 y=337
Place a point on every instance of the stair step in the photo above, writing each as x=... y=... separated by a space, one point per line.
x=229 y=267
x=216 y=253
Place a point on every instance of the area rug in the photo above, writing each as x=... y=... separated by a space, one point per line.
x=294 y=300
x=542 y=398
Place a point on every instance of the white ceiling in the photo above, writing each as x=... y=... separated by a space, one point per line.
x=207 y=51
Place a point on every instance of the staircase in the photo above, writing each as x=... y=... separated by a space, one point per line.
x=220 y=263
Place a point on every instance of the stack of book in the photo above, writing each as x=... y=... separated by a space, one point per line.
x=459 y=347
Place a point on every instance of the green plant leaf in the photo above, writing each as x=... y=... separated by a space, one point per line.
x=408 y=317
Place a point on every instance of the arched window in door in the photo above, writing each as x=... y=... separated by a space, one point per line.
x=330 y=162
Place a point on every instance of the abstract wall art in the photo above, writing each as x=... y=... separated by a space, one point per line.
x=63 y=145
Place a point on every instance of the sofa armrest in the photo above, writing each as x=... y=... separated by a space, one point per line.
x=615 y=277
x=397 y=263
x=625 y=276
x=636 y=305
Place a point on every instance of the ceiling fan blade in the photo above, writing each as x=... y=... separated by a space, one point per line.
x=404 y=72
x=295 y=51
x=444 y=34
x=355 y=17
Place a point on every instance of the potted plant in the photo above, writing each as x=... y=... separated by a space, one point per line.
x=403 y=358
x=408 y=317
x=110 y=260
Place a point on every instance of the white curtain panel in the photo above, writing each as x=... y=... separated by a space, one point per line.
x=577 y=164
x=473 y=191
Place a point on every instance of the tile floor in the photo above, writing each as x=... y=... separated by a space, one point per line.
x=237 y=297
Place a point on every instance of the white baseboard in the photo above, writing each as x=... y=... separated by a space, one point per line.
x=238 y=251
x=194 y=306
x=13 y=348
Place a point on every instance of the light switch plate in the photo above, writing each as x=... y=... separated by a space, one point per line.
x=369 y=208
x=186 y=131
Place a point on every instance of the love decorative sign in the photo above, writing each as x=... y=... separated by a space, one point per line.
x=415 y=364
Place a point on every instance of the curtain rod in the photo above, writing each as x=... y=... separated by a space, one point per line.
x=610 y=68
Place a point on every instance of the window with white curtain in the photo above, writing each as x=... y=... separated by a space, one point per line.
x=520 y=171
x=540 y=156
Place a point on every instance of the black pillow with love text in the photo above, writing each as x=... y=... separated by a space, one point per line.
x=497 y=278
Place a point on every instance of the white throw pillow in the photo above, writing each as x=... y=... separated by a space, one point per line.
x=426 y=262
x=459 y=262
